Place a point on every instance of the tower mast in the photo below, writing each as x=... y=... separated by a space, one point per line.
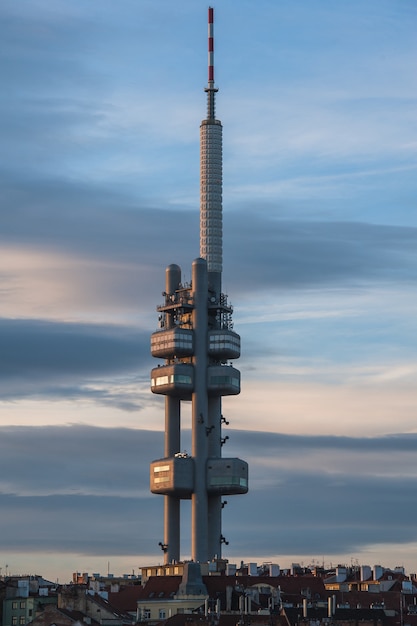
x=211 y=176
x=197 y=341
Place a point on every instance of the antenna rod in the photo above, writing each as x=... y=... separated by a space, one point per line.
x=210 y=89
x=210 y=47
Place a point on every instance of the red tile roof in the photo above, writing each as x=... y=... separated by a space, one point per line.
x=126 y=599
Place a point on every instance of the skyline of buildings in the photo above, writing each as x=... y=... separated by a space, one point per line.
x=220 y=594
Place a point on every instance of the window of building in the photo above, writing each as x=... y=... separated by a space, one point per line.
x=22 y=620
x=146 y=613
x=23 y=604
x=14 y=605
x=14 y=620
x=162 y=614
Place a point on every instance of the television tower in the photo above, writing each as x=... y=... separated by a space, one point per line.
x=197 y=341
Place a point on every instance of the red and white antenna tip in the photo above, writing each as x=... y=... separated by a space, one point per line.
x=210 y=46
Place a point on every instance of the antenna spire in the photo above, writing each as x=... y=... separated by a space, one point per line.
x=210 y=89
x=210 y=47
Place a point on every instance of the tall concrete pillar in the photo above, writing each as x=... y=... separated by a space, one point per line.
x=172 y=440
x=172 y=503
x=214 y=501
x=199 y=498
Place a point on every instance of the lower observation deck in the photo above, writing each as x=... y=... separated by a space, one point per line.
x=223 y=380
x=174 y=476
x=227 y=476
x=175 y=379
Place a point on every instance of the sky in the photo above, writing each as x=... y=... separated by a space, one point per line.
x=99 y=166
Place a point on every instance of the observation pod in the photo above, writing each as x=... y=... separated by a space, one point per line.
x=223 y=380
x=173 y=476
x=223 y=344
x=174 y=342
x=177 y=380
x=174 y=379
x=227 y=477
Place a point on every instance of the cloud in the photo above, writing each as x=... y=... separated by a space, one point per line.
x=44 y=359
x=87 y=112
x=313 y=514
x=280 y=254
x=300 y=405
x=46 y=349
x=277 y=253
x=95 y=222
x=78 y=460
x=90 y=525
x=85 y=489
